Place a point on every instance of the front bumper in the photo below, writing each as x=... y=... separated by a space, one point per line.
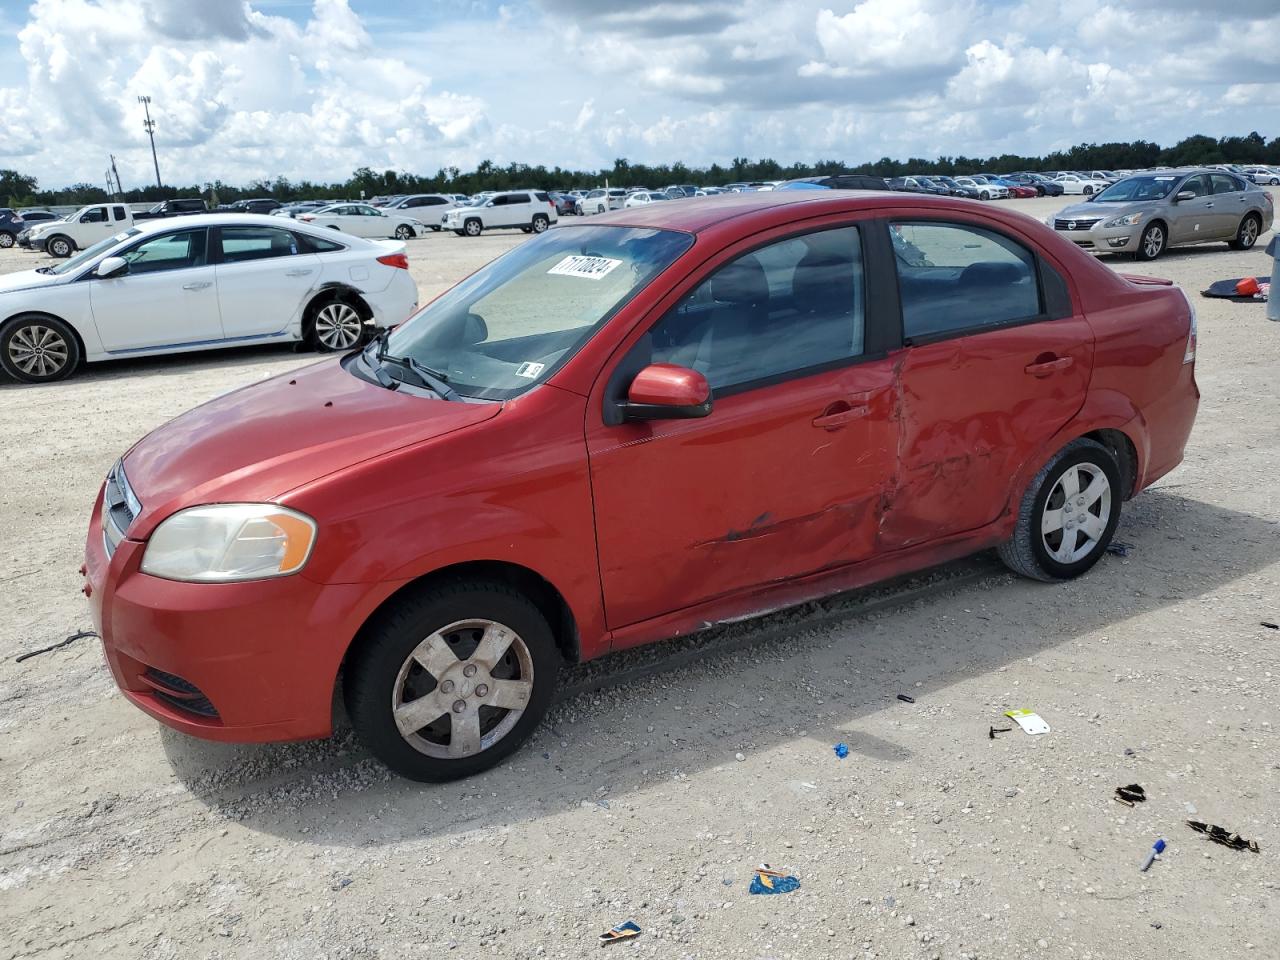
x=30 y=243
x=246 y=662
x=1099 y=239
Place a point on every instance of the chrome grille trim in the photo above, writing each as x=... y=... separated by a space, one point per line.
x=1079 y=223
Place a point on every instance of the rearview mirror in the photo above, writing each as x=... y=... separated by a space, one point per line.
x=474 y=330
x=112 y=267
x=665 y=391
x=1184 y=195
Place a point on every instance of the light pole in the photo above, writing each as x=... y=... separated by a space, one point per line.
x=151 y=132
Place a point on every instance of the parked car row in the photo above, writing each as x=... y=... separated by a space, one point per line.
x=197 y=283
x=1147 y=213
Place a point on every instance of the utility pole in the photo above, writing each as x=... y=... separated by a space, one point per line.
x=151 y=132
x=119 y=188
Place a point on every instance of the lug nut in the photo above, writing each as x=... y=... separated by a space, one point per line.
x=447 y=686
x=469 y=670
x=482 y=690
x=459 y=706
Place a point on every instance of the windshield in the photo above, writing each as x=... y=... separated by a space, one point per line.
x=84 y=256
x=512 y=323
x=1137 y=188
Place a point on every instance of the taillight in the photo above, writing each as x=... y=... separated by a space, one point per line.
x=395 y=260
x=1189 y=354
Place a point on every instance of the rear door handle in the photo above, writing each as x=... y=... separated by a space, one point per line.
x=1042 y=368
x=197 y=286
x=840 y=413
x=297 y=273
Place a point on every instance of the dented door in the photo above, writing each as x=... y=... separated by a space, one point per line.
x=973 y=408
x=689 y=510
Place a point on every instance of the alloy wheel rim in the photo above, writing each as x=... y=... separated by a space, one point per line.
x=338 y=326
x=473 y=228
x=539 y=225
x=403 y=232
x=462 y=689
x=38 y=351
x=6 y=240
x=1077 y=513
x=59 y=248
x=1153 y=243
x=1249 y=232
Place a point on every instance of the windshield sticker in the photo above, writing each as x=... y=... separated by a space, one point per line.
x=589 y=268
x=530 y=369
x=1166 y=178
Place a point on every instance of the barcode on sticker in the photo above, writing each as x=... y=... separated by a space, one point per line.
x=589 y=268
x=530 y=369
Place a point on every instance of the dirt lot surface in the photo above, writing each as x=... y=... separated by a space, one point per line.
x=665 y=775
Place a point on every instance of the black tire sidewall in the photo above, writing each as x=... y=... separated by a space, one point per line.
x=389 y=641
x=1240 y=241
x=71 y=247
x=1094 y=454
x=1142 y=241
x=546 y=223
x=478 y=228
x=73 y=351
x=407 y=232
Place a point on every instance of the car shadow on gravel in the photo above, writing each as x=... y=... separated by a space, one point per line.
x=804 y=677
x=172 y=365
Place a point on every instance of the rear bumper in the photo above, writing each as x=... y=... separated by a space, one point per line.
x=396 y=303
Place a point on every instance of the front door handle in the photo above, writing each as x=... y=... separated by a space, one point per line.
x=297 y=273
x=840 y=413
x=197 y=286
x=1043 y=368
x=1208 y=205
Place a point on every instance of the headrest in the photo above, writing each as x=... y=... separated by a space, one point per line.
x=992 y=273
x=742 y=282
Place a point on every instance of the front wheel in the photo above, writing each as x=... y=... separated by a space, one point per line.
x=1246 y=233
x=404 y=232
x=60 y=247
x=1088 y=191
x=451 y=681
x=38 y=349
x=1151 y=243
x=472 y=228
x=1068 y=514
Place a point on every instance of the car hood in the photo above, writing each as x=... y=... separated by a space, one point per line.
x=1091 y=211
x=257 y=443
x=28 y=280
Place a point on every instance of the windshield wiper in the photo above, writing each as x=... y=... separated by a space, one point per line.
x=433 y=379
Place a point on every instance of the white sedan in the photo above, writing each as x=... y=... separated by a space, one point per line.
x=1073 y=184
x=642 y=198
x=198 y=283
x=363 y=220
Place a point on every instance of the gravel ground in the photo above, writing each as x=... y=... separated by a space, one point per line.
x=666 y=774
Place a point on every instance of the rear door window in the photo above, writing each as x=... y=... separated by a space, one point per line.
x=953 y=277
x=241 y=244
x=1225 y=183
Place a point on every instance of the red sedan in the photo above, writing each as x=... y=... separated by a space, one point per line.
x=672 y=416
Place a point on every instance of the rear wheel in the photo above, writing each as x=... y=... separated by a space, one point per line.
x=7 y=239
x=38 y=349
x=1151 y=243
x=451 y=681
x=1068 y=514
x=540 y=223
x=60 y=246
x=1247 y=233
x=473 y=227
x=336 y=325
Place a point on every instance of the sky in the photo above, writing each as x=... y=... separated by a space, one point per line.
x=312 y=89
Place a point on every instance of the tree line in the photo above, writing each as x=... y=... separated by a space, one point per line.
x=22 y=190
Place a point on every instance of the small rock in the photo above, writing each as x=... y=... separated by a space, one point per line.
x=1128 y=751
x=739 y=757
x=1010 y=791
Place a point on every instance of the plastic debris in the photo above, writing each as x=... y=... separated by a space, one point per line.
x=906 y=699
x=1156 y=849
x=769 y=881
x=54 y=646
x=1118 y=549
x=1028 y=721
x=1223 y=836
x=1271 y=626
x=623 y=931
x=842 y=750
x=992 y=731
x=1130 y=795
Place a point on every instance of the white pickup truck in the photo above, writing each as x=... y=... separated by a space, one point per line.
x=81 y=230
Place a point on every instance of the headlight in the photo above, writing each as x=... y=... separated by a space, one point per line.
x=228 y=542
x=1125 y=221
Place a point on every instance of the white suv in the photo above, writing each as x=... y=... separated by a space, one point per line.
x=602 y=201
x=530 y=210
x=430 y=208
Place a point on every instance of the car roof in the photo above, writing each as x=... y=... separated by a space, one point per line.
x=228 y=220
x=699 y=214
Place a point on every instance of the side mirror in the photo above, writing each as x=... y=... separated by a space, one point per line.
x=665 y=391
x=1184 y=195
x=112 y=267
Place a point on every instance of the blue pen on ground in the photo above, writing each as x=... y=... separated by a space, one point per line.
x=1157 y=849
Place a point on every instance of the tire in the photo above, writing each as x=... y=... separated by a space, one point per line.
x=7 y=239
x=405 y=232
x=451 y=620
x=984 y=195
x=1088 y=191
x=435 y=229
x=459 y=233
x=335 y=325
x=1039 y=191
x=60 y=246
x=540 y=224
x=38 y=349
x=526 y=229
x=473 y=227
x=1152 y=242
x=1031 y=552
x=1246 y=233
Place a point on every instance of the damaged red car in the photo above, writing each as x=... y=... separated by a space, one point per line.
x=622 y=431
